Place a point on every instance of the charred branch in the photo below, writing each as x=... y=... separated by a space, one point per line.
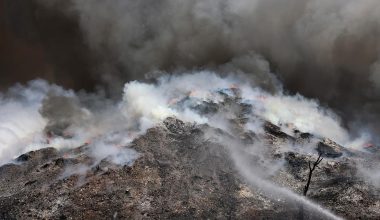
x=311 y=170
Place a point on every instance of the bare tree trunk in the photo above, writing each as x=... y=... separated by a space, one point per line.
x=301 y=214
x=311 y=169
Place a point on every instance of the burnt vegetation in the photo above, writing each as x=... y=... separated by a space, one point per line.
x=311 y=170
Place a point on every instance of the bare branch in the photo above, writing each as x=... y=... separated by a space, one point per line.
x=311 y=169
x=320 y=160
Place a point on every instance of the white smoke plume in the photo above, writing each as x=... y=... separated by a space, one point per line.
x=258 y=177
x=153 y=103
x=43 y=115
x=143 y=106
x=21 y=122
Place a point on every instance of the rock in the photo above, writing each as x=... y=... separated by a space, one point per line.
x=206 y=108
x=38 y=155
x=23 y=157
x=329 y=148
x=276 y=131
x=174 y=125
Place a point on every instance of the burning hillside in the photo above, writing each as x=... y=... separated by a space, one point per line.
x=182 y=116
x=187 y=140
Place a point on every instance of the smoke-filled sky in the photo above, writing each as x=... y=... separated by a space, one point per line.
x=324 y=49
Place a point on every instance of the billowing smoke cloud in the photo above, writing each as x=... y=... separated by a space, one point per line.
x=152 y=103
x=20 y=119
x=43 y=115
x=327 y=50
x=61 y=113
x=63 y=119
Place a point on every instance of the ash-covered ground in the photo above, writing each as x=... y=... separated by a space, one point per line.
x=236 y=165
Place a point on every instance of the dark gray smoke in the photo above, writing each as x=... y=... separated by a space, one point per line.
x=325 y=49
x=40 y=42
x=61 y=112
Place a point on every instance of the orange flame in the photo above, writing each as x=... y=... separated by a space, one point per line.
x=261 y=97
x=88 y=142
x=193 y=93
x=234 y=86
x=173 y=101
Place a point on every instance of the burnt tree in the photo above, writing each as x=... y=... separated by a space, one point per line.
x=301 y=214
x=311 y=170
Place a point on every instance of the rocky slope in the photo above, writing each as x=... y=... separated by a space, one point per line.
x=184 y=171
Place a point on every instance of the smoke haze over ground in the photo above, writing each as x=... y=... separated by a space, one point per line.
x=42 y=114
x=62 y=119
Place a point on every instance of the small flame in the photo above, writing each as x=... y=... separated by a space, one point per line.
x=67 y=134
x=193 y=93
x=234 y=86
x=173 y=101
x=118 y=145
x=88 y=142
x=261 y=97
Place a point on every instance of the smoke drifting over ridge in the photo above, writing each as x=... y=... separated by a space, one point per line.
x=201 y=51
x=64 y=119
x=323 y=49
x=111 y=127
x=328 y=50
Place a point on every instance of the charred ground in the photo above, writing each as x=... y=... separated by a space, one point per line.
x=181 y=173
